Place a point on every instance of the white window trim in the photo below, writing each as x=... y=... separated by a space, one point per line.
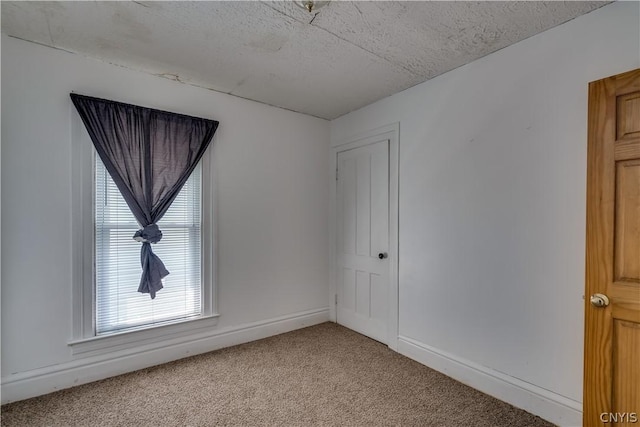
x=84 y=339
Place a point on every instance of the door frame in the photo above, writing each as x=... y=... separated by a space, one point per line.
x=391 y=133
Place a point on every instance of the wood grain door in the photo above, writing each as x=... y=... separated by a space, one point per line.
x=363 y=239
x=612 y=299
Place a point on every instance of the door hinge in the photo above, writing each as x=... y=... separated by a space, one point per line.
x=336 y=299
x=336 y=173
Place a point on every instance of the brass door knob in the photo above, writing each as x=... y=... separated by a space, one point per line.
x=599 y=300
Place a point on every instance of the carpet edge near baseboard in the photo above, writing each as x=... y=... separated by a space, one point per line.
x=36 y=382
x=548 y=405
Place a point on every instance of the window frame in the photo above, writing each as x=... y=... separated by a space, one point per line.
x=84 y=339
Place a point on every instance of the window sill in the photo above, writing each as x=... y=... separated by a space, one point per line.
x=137 y=338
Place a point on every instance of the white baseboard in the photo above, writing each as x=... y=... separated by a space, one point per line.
x=550 y=406
x=33 y=383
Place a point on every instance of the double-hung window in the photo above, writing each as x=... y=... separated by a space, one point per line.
x=117 y=259
x=108 y=309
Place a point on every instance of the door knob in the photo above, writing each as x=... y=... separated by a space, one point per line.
x=599 y=300
x=382 y=255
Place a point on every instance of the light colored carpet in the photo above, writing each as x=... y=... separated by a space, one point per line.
x=324 y=375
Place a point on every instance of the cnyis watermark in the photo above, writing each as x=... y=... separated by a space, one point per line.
x=619 y=417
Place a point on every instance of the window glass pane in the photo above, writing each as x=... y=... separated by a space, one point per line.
x=119 y=305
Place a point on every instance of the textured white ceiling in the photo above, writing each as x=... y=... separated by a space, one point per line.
x=350 y=54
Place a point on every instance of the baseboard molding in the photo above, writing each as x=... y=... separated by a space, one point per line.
x=550 y=406
x=45 y=380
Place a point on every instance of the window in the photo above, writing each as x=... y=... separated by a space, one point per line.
x=117 y=258
x=108 y=311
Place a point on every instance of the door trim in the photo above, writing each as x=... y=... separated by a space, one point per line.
x=389 y=133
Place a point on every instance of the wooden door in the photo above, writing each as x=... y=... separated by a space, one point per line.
x=363 y=239
x=612 y=328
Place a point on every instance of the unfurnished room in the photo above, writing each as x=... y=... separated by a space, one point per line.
x=320 y=213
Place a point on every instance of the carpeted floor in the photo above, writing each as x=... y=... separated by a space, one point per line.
x=324 y=375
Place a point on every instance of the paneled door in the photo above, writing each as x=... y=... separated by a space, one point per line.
x=363 y=239
x=612 y=306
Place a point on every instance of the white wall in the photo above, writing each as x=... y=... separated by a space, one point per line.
x=272 y=194
x=492 y=209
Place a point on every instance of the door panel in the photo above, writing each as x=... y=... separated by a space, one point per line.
x=627 y=230
x=612 y=332
x=363 y=205
x=363 y=293
x=626 y=366
x=348 y=294
x=363 y=233
x=347 y=177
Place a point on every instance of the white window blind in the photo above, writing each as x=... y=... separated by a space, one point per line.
x=119 y=305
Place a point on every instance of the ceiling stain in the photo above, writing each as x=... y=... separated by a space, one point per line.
x=131 y=27
x=269 y=43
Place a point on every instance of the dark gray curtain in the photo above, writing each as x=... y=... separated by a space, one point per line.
x=150 y=155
